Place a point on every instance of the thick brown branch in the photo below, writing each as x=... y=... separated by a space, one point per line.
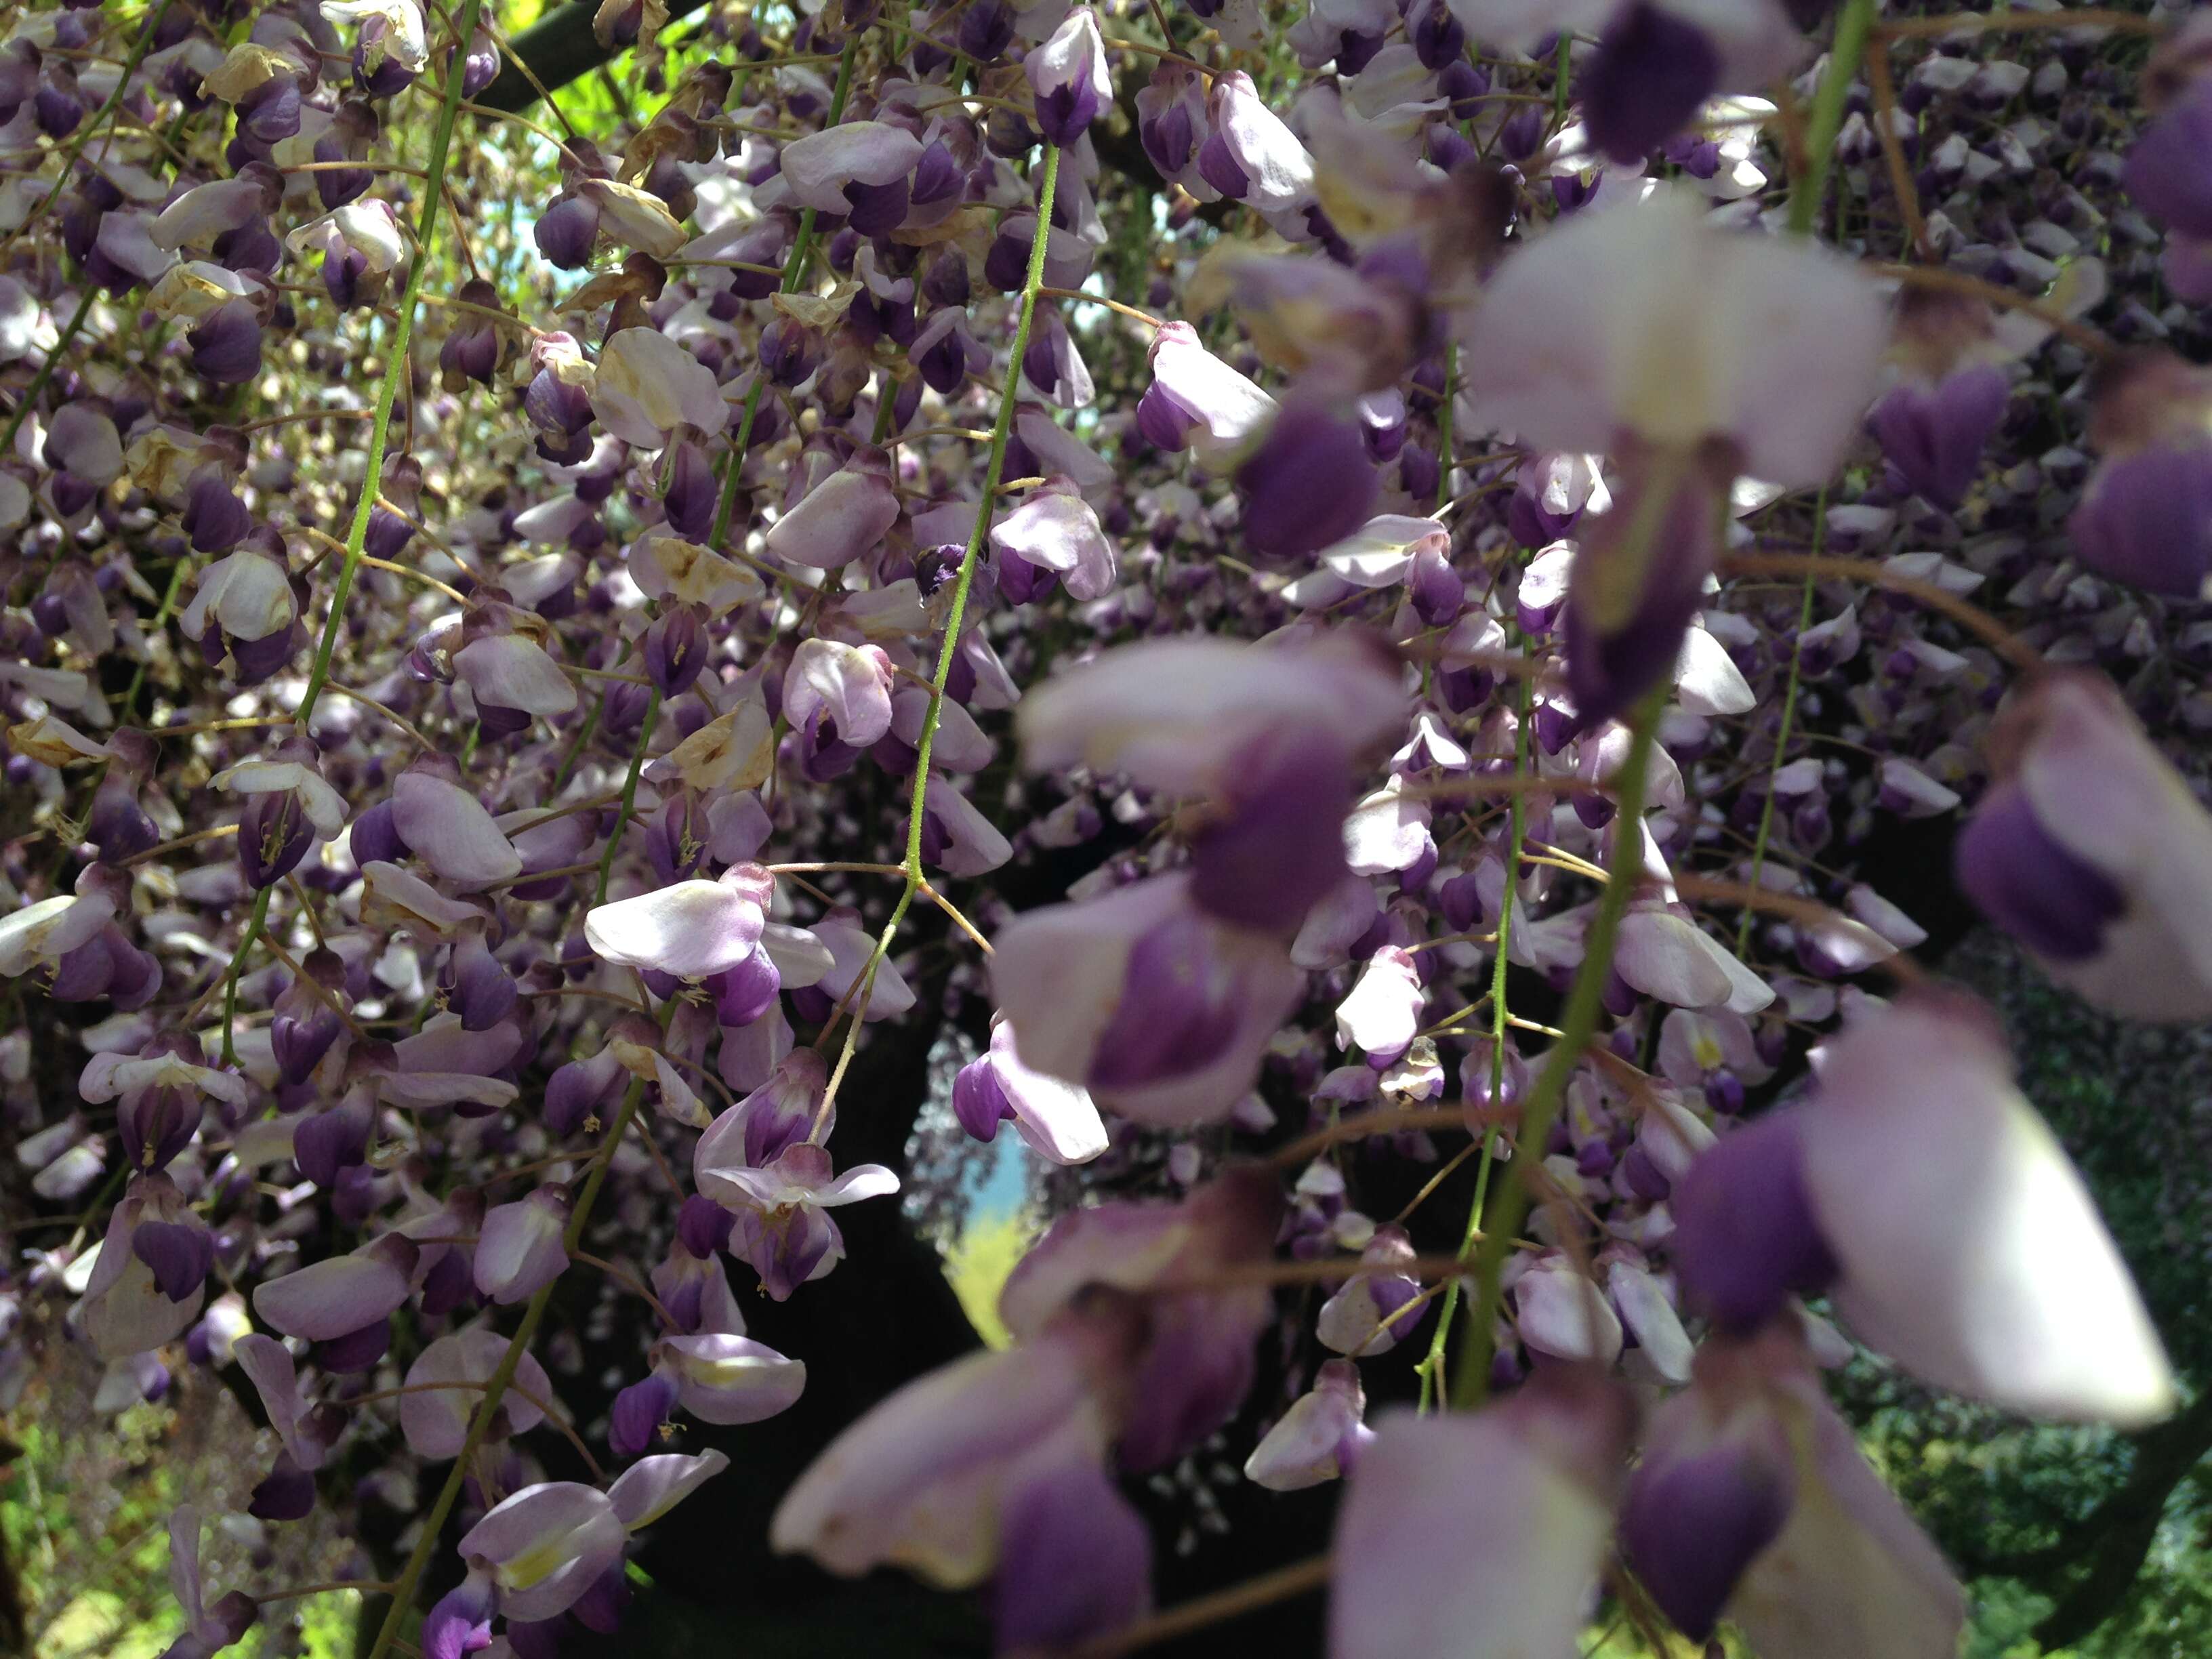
x=558 y=48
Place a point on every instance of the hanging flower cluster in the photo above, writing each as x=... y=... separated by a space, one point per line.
x=1353 y=597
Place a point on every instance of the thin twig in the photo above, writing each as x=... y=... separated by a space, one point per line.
x=2092 y=340
x=300 y=415
x=365 y=1586
x=1164 y=55
x=392 y=715
x=1382 y=1121
x=545 y=1408
x=167 y=847
x=1299 y=1578
x=1714 y=889
x=1884 y=92
x=628 y=1281
x=660 y=1159
x=1081 y=298
x=1972 y=617
x=958 y=919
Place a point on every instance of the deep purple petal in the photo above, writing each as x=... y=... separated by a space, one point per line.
x=2024 y=881
x=1647 y=79
x=1075 y=1561
x=1745 y=1237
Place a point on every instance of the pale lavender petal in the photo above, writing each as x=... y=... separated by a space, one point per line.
x=545 y=1547
x=1971 y=1252
x=691 y=930
x=916 y=1482
x=448 y=829
x=1459 y=1534
x=436 y=1421
x=1315 y=1440
x=818 y=167
x=844 y=516
x=722 y=1377
x=651 y=1486
x=518 y=1249
x=333 y=1297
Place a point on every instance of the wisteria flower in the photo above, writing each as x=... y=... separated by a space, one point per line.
x=401 y=37
x=1189 y=1360
x=151 y=1275
x=519 y=1250
x=540 y=1549
x=207 y=1629
x=1197 y=401
x=782 y=1229
x=161 y=1093
x=1690 y=353
x=288 y=805
x=844 y=516
x=919 y=1482
x=2090 y=849
x=1657 y=61
x=435 y=1414
x=340 y=1297
x=1265 y=737
x=647 y=385
x=2143 y=517
x=725 y=1376
x=1924 y=1195
x=1319 y=1438
x=847 y=169
x=1056 y=1120
x=1068 y=76
x=305 y=1431
x=1055 y=530
x=692 y=929
x=1478 y=1533
x=448 y=829
x=1158 y=1009
x=1751 y=1500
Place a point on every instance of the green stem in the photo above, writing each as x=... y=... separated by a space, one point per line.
x=1789 y=719
x=628 y=795
x=253 y=925
x=31 y=393
x=162 y=615
x=396 y=362
x=993 y=470
x=1432 y=1368
x=1444 y=495
x=1577 y=1026
x=1444 y=427
x=1853 y=24
x=502 y=1375
x=576 y=748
